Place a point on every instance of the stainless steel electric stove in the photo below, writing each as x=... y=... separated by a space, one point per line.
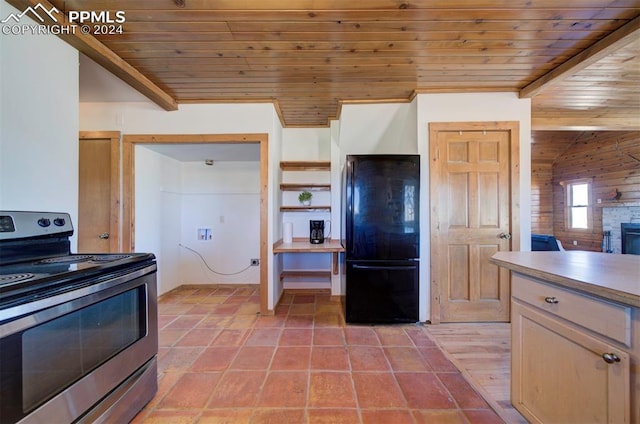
x=78 y=332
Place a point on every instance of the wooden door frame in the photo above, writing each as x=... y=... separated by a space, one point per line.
x=114 y=197
x=514 y=184
x=128 y=189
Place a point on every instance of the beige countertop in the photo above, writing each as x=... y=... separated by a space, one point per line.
x=611 y=276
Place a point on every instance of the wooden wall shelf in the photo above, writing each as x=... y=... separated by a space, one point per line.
x=308 y=278
x=306 y=166
x=305 y=208
x=301 y=273
x=303 y=187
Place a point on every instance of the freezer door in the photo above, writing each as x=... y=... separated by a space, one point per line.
x=381 y=292
x=382 y=207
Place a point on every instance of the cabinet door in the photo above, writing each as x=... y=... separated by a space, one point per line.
x=559 y=374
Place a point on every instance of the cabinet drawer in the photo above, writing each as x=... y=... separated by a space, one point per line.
x=608 y=319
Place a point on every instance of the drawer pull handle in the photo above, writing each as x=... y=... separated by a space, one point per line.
x=610 y=358
x=551 y=300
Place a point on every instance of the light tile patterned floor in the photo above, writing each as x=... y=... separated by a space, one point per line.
x=221 y=362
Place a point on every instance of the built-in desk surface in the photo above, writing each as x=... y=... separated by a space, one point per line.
x=302 y=245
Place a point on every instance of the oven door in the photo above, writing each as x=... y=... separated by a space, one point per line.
x=61 y=355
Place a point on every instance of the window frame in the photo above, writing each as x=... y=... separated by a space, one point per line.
x=568 y=205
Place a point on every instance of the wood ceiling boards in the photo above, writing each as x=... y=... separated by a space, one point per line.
x=309 y=57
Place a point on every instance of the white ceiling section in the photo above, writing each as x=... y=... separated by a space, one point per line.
x=218 y=152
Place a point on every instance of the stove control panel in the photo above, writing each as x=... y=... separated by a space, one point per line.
x=15 y=225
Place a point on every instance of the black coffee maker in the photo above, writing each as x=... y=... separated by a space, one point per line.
x=316 y=232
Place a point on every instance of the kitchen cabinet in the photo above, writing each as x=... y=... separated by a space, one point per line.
x=559 y=374
x=575 y=336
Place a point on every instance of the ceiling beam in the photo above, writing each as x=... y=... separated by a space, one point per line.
x=609 y=44
x=90 y=46
x=583 y=123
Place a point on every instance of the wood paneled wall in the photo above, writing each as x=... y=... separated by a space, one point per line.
x=612 y=160
x=546 y=146
x=541 y=198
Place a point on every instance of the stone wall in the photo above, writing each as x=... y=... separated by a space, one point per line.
x=613 y=217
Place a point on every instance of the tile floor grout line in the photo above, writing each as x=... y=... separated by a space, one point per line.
x=297 y=321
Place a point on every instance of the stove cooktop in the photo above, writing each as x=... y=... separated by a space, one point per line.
x=36 y=258
x=20 y=276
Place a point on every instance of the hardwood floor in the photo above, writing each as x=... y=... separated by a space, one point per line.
x=481 y=352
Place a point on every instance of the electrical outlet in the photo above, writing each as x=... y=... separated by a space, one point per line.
x=255 y=262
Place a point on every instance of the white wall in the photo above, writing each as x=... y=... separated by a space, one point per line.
x=381 y=128
x=225 y=198
x=275 y=200
x=468 y=107
x=306 y=144
x=147 y=118
x=38 y=123
x=175 y=199
x=158 y=213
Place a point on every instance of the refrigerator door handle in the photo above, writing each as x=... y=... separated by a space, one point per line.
x=391 y=268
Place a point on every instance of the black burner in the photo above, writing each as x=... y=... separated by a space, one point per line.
x=108 y=258
x=14 y=278
x=67 y=259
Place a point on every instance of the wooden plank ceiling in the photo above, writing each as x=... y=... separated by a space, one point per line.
x=311 y=56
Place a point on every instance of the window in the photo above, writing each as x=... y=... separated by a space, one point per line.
x=579 y=205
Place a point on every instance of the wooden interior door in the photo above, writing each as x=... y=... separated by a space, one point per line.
x=471 y=220
x=98 y=192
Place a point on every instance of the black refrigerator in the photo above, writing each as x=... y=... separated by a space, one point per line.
x=381 y=230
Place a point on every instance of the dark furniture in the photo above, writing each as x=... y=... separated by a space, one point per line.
x=542 y=242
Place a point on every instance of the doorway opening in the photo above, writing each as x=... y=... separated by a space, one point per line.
x=129 y=143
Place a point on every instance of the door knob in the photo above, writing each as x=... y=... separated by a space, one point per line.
x=505 y=236
x=103 y=236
